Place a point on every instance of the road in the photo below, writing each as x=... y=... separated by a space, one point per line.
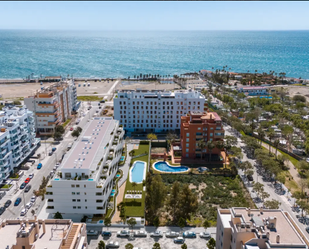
x=48 y=162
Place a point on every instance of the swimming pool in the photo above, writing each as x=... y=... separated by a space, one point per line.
x=122 y=158
x=112 y=194
x=138 y=172
x=165 y=167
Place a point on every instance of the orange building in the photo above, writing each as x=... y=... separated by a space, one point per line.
x=198 y=126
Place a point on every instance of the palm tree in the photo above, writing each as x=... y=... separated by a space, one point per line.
x=219 y=145
x=210 y=146
x=261 y=134
x=202 y=145
x=271 y=135
x=276 y=144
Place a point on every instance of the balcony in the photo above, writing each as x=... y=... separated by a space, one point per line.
x=4 y=143
x=219 y=135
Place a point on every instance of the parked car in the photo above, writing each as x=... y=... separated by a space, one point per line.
x=92 y=232
x=189 y=235
x=29 y=205
x=2 y=209
x=112 y=244
x=33 y=198
x=7 y=203
x=250 y=178
x=307 y=229
x=17 y=201
x=179 y=240
x=27 y=188
x=140 y=234
x=156 y=234
x=54 y=149
x=23 y=212
x=172 y=234
x=202 y=169
x=123 y=233
x=31 y=176
x=39 y=166
x=205 y=235
x=22 y=186
x=50 y=153
x=27 y=180
x=106 y=234
x=71 y=129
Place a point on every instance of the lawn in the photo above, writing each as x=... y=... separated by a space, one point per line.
x=136 y=208
x=6 y=186
x=89 y=98
x=66 y=122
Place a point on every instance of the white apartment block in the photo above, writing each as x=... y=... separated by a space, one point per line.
x=85 y=179
x=17 y=138
x=155 y=111
x=242 y=228
x=52 y=106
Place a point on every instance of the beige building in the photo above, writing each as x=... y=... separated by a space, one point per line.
x=52 y=106
x=242 y=228
x=41 y=234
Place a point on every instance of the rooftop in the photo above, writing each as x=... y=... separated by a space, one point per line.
x=252 y=87
x=263 y=221
x=84 y=153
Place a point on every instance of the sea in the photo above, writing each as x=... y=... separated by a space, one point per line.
x=103 y=54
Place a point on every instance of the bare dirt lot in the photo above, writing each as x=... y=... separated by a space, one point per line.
x=299 y=90
x=95 y=87
x=146 y=86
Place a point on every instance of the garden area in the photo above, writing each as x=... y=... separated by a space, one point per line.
x=89 y=98
x=136 y=207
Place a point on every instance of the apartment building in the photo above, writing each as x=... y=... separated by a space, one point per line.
x=85 y=179
x=242 y=228
x=52 y=106
x=37 y=233
x=196 y=126
x=155 y=111
x=17 y=138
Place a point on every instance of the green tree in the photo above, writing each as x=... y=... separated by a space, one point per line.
x=75 y=133
x=101 y=245
x=184 y=246
x=188 y=202
x=79 y=129
x=59 y=128
x=174 y=199
x=272 y=204
x=170 y=138
x=303 y=165
x=271 y=135
x=211 y=244
x=57 y=135
x=156 y=222
x=58 y=216
x=129 y=246
x=258 y=188
x=131 y=223
x=151 y=137
x=156 y=246
x=206 y=224
x=210 y=147
x=181 y=223
x=201 y=144
x=107 y=221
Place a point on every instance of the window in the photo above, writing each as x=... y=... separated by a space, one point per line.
x=187 y=140
x=78 y=200
x=85 y=193
x=187 y=150
x=199 y=128
x=78 y=193
x=211 y=134
x=188 y=134
x=79 y=207
x=77 y=186
x=72 y=186
x=74 y=207
x=73 y=193
x=84 y=186
x=187 y=145
x=73 y=200
x=187 y=155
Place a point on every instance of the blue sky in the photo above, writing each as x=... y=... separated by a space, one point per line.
x=153 y=15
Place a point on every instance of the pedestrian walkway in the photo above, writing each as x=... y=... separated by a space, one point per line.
x=116 y=218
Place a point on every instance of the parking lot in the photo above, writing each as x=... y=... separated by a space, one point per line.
x=147 y=242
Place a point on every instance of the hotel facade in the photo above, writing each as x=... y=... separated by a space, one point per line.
x=196 y=126
x=85 y=178
x=242 y=228
x=52 y=106
x=17 y=138
x=155 y=111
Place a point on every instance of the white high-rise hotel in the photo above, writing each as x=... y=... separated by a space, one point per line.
x=17 y=138
x=155 y=111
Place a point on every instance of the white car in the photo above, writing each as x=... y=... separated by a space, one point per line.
x=31 y=176
x=140 y=234
x=23 y=212
x=156 y=234
x=33 y=198
x=205 y=235
x=123 y=233
x=29 y=205
x=112 y=244
x=92 y=232
x=172 y=234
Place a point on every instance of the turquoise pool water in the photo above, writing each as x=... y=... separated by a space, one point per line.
x=118 y=175
x=163 y=166
x=122 y=158
x=112 y=194
x=113 y=191
x=138 y=171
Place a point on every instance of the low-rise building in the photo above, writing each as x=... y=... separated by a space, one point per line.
x=253 y=90
x=242 y=228
x=52 y=106
x=34 y=233
x=86 y=176
x=198 y=126
x=155 y=111
x=17 y=138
